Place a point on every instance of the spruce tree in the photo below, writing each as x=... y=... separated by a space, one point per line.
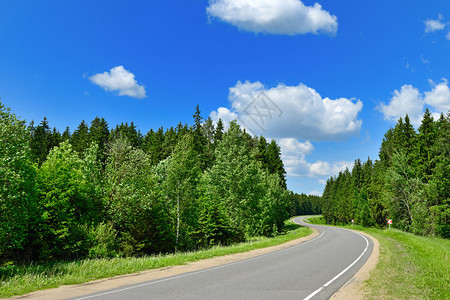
x=99 y=134
x=80 y=139
x=275 y=163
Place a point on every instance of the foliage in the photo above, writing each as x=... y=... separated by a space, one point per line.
x=18 y=280
x=100 y=193
x=408 y=184
x=18 y=207
x=67 y=203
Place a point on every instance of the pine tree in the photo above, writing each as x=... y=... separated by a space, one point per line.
x=80 y=139
x=261 y=152
x=218 y=133
x=66 y=136
x=41 y=141
x=199 y=139
x=438 y=191
x=99 y=134
x=208 y=132
x=130 y=132
x=275 y=163
x=424 y=151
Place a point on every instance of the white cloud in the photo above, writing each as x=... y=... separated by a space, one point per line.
x=448 y=36
x=410 y=101
x=292 y=112
x=315 y=193
x=434 y=25
x=225 y=114
x=289 y=17
x=293 y=154
x=121 y=80
x=439 y=96
x=406 y=101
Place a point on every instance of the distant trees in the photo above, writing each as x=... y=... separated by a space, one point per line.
x=100 y=192
x=409 y=183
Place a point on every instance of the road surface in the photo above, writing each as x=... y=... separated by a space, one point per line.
x=311 y=270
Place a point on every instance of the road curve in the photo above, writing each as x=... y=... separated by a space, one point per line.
x=311 y=270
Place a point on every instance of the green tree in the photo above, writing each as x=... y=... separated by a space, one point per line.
x=42 y=141
x=438 y=192
x=425 y=143
x=218 y=132
x=183 y=174
x=80 y=139
x=69 y=209
x=18 y=207
x=275 y=163
x=402 y=192
x=130 y=132
x=99 y=134
x=135 y=204
x=208 y=132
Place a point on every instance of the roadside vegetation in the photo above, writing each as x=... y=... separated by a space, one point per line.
x=72 y=203
x=408 y=184
x=410 y=266
x=19 y=280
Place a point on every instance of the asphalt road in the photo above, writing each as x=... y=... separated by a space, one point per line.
x=312 y=270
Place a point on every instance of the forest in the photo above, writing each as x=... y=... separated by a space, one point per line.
x=408 y=184
x=101 y=192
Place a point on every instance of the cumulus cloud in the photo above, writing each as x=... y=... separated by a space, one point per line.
x=291 y=112
x=439 y=96
x=120 y=80
x=289 y=17
x=434 y=25
x=294 y=152
x=410 y=101
x=406 y=101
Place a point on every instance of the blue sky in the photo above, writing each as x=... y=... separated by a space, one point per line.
x=339 y=72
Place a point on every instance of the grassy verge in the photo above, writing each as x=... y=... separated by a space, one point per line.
x=19 y=280
x=410 y=266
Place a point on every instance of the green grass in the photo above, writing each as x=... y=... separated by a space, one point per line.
x=410 y=266
x=19 y=280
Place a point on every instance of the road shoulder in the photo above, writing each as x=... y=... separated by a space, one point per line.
x=353 y=289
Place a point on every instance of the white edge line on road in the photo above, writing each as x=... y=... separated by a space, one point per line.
x=197 y=272
x=340 y=274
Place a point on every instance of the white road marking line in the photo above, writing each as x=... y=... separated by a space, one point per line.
x=198 y=272
x=340 y=274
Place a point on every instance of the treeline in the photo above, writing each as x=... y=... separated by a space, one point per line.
x=302 y=204
x=410 y=183
x=100 y=192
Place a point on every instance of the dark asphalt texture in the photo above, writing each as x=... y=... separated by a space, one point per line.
x=311 y=270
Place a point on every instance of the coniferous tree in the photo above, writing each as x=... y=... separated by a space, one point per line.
x=66 y=136
x=438 y=192
x=199 y=138
x=218 y=132
x=275 y=163
x=99 y=134
x=41 y=141
x=261 y=154
x=130 y=132
x=208 y=131
x=80 y=138
x=425 y=142
x=170 y=141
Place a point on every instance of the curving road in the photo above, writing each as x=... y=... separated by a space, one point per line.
x=311 y=270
